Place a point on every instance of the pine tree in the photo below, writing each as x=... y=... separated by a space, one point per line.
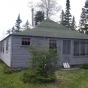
x=8 y=31
x=73 y=24
x=13 y=29
x=39 y=17
x=83 y=23
x=82 y=18
x=26 y=25
x=18 y=21
x=68 y=15
x=62 y=18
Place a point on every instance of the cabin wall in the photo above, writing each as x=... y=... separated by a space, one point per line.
x=5 y=54
x=20 y=53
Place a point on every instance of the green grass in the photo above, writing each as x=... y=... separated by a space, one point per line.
x=65 y=79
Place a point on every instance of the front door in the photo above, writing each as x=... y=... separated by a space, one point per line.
x=66 y=51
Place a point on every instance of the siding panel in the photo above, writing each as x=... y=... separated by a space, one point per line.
x=6 y=55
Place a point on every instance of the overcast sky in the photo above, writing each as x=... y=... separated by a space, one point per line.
x=9 y=10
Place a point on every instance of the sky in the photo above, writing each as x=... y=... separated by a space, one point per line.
x=9 y=10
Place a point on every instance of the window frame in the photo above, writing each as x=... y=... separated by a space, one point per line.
x=25 y=41
x=83 y=45
x=65 y=46
x=53 y=44
x=7 y=45
x=3 y=49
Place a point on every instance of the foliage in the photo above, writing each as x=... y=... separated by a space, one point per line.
x=66 y=18
x=39 y=17
x=83 y=24
x=13 y=29
x=8 y=32
x=84 y=66
x=7 y=70
x=50 y=7
x=62 y=18
x=86 y=4
x=18 y=21
x=42 y=66
x=68 y=15
x=26 y=25
x=65 y=79
x=82 y=18
x=73 y=24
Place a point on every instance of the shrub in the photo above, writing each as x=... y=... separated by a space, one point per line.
x=84 y=66
x=7 y=70
x=31 y=76
x=42 y=66
x=43 y=79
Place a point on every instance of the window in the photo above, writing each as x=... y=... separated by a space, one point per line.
x=76 y=48
x=53 y=44
x=6 y=44
x=25 y=41
x=86 y=50
x=66 y=46
x=80 y=48
x=3 y=49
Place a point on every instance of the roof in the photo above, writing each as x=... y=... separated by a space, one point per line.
x=49 y=28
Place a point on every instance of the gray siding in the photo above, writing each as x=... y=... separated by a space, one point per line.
x=20 y=53
x=6 y=55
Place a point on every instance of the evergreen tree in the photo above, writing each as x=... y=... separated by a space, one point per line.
x=82 y=18
x=8 y=31
x=83 y=23
x=39 y=17
x=13 y=29
x=67 y=15
x=62 y=18
x=73 y=24
x=26 y=25
x=18 y=21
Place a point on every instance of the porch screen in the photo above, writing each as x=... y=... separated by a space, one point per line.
x=66 y=46
x=76 y=48
x=80 y=48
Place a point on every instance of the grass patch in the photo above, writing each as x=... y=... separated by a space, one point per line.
x=65 y=79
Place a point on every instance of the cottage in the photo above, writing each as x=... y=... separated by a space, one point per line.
x=71 y=46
